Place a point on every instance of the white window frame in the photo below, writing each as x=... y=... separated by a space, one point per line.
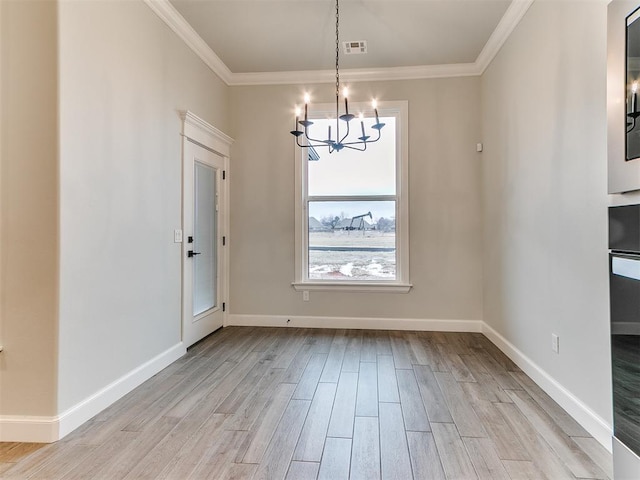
x=399 y=110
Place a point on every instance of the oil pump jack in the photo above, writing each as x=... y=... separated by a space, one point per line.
x=359 y=221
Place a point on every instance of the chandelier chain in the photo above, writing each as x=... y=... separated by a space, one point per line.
x=337 y=50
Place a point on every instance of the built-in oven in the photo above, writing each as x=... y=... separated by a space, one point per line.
x=624 y=290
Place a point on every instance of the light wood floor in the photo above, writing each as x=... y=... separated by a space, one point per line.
x=305 y=404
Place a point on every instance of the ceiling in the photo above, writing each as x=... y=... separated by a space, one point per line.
x=260 y=36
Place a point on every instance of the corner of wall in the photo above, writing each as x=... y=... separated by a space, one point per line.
x=29 y=235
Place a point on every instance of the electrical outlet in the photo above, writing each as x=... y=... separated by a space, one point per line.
x=555 y=343
x=305 y=295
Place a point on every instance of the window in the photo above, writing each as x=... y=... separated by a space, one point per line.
x=351 y=210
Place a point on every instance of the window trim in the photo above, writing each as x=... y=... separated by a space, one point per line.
x=398 y=109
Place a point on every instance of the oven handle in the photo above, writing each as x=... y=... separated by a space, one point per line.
x=625 y=254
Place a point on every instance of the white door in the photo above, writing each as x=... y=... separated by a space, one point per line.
x=203 y=257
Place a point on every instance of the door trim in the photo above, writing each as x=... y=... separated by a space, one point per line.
x=208 y=136
x=197 y=130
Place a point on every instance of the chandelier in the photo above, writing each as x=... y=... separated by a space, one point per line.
x=342 y=136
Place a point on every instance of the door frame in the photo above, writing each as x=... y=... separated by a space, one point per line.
x=198 y=131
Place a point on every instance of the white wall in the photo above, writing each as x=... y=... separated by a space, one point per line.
x=444 y=187
x=124 y=76
x=28 y=208
x=545 y=201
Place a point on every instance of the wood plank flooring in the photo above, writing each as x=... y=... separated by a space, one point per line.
x=297 y=404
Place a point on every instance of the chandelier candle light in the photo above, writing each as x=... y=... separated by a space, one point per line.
x=340 y=142
x=633 y=114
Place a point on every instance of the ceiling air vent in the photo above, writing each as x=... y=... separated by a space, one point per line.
x=353 y=48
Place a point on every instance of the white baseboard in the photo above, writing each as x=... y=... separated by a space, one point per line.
x=49 y=429
x=592 y=423
x=597 y=427
x=91 y=406
x=356 y=323
x=16 y=428
x=32 y=429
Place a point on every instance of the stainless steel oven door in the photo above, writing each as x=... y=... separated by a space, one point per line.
x=624 y=284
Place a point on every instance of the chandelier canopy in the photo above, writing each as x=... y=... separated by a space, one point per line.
x=341 y=140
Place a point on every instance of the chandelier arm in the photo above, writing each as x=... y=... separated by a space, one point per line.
x=360 y=141
x=345 y=135
x=314 y=143
x=377 y=138
x=310 y=143
x=350 y=147
x=310 y=139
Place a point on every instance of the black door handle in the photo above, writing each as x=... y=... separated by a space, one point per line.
x=191 y=253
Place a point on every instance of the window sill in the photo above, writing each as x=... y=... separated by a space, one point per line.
x=366 y=287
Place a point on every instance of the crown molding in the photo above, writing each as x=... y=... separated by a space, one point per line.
x=355 y=74
x=507 y=24
x=185 y=31
x=181 y=27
